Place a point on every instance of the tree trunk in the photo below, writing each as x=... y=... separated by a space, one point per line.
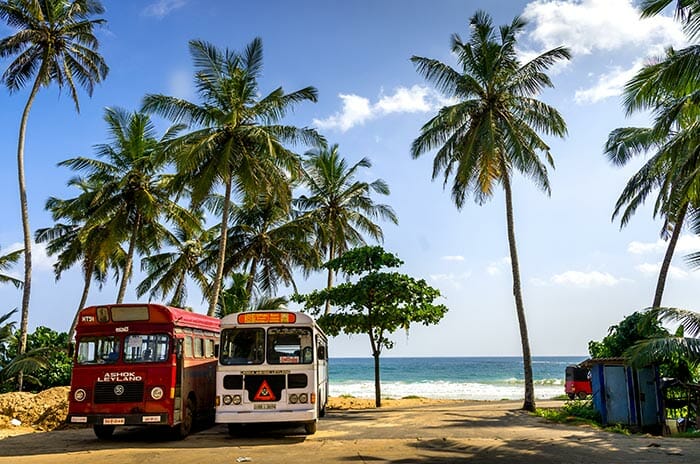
x=129 y=261
x=377 y=383
x=87 y=277
x=26 y=229
x=216 y=287
x=529 y=403
x=251 y=280
x=179 y=294
x=666 y=264
x=329 y=284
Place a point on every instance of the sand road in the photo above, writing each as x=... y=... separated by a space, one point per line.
x=474 y=432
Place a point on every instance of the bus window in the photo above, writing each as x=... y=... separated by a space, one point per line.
x=198 y=347
x=188 y=347
x=146 y=348
x=242 y=346
x=286 y=345
x=98 y=350
x=208 y=348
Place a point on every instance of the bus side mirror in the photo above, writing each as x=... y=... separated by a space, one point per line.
x=71 y=349
x=216 y=350
x=321 y=352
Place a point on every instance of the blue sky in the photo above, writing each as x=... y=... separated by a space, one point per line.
x=581 y=273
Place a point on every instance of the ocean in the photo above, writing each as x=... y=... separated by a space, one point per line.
x=464 y=378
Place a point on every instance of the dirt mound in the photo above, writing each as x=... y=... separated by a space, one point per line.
x=46 y=410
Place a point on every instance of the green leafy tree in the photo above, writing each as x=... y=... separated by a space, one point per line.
x=624 y=335
x=677 y=353
x=235 y=297
x=54 y=42
x=491 y=132
x=135 y=195
x=339 y=206
x=236 y=141
x=15 y=365
x=377 y=304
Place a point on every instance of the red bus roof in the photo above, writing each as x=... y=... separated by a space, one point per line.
x=120 y=314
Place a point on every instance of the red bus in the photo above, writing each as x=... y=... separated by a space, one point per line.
x=143 y=364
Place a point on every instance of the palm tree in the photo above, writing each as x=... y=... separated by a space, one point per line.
x=237 y=141
x=340 y=206
x=167 y=272
x=75 y=241
x=492 y=130
x=674 y=169
x=6 y=262
x=269 y=244
x=54 y=42
x=687 y=11
x=135 y=195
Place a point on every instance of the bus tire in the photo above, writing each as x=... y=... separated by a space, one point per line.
x=571 y=396
x=184 y=428
x=310 y=427
x=321 y=410
x=103 y=432
x=582 y=395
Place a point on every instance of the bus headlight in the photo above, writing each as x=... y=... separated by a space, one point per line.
x=79 y=395
x=237 y=399
x=227 y=399
x=303 y=398
x=156 y=393
x=293 y=398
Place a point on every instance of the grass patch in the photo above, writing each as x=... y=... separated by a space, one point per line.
x=412 y=397
x=346 y=396
x=572 y=412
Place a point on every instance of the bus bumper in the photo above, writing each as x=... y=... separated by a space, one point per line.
x=118 y=419
x=252 y=417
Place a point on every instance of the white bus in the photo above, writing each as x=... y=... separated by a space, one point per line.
x=273 y=367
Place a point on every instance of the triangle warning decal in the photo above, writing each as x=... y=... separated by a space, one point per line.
x=264 y=393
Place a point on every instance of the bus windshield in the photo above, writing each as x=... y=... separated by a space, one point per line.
x=289 y=345
x=242 y=346
x=146 y=348
x=98 y=350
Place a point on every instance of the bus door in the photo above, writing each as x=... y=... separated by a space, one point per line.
x=179 y=370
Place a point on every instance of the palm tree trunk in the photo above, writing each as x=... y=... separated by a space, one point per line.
x=329 y=284
x=216 y=287
x=26 y=229
x=376 y=352
x=529 y=403
x=87 y=279
x=179 y=294
x=666 y=264
x=251 y=279
x=129 y=261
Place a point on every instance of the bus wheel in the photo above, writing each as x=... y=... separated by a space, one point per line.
x=582 y=395
x=184 y=428
x=321 y=410
x=571 y=396
x=103 y=432
x=310 y=428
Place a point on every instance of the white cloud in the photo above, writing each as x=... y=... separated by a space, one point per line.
x=586 y=26
x=453 y=279
x=496 y=267
x=41 y=261
x=585 y=279
x=609 y=85
x=652 y=269
x=357 y=110
x=453 y=258
x=686 y=244
x=162 y=8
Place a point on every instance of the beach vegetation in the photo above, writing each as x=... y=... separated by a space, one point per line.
x=54 y=42
x=236 y=141
x=339 y=206
x=377 y=303
x=493 y=130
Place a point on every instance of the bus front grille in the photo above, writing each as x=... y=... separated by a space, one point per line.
x=118 y=392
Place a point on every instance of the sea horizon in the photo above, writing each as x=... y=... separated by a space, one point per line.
x=449 y=377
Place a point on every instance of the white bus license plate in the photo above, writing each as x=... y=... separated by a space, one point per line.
x=265 y=406
x=113 y=421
